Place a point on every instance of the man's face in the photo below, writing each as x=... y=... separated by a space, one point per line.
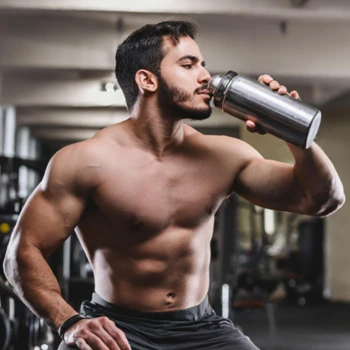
x=183 y=80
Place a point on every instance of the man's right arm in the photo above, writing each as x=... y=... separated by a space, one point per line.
x=46 y=221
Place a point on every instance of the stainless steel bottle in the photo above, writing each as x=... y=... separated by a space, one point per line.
x=280 y=115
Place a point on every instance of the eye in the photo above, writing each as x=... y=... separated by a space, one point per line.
x=187 y=66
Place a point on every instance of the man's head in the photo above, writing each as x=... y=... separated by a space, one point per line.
x=164 y=59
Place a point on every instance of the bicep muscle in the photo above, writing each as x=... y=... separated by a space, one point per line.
x=270 y=184
x=53 y=210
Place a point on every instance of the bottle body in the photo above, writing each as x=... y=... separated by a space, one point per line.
x=280 y=115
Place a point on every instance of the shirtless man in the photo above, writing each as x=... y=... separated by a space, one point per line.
x=142 y=195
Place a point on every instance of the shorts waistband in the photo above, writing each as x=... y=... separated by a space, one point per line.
x=193 y=313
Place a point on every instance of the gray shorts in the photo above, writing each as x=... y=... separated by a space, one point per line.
x=198 y=327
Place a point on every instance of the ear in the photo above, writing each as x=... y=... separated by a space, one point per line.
x=146 y=81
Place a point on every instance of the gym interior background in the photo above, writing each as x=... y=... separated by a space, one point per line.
x=283 y=278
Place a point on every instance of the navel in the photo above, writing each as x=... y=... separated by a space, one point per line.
x=171 y=295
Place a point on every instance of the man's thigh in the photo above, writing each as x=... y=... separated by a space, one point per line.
x=231 y=338
x=211 y=333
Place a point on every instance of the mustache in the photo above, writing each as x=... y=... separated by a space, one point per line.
x=201 y=88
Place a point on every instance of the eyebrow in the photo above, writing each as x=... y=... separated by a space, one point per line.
x=194 y=59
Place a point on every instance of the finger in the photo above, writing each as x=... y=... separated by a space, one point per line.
x=250 y=124
x=82 y=345
x=252 y=130
x=107 y=339
x=96 y=328
x=252 y=127
x=295 y=94
x=121 y=340
x=118 y=335
x=111 y=335
x=265 y=79
x=274 y=85
x=256 y=130
x=282 y=90
x=95 y=342
x=111 y=342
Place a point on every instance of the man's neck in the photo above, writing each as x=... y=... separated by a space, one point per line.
x=158 y=132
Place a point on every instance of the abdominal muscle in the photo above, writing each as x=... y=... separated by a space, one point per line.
x=166 y=273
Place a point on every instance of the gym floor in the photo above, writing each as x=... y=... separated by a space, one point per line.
x=310 y=327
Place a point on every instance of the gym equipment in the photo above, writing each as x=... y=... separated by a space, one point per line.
x=20 y=329
x=5 y=331
x=304 y=280
x=11 y=201
x=279 y=115
x=255 y=278
x=40 y=334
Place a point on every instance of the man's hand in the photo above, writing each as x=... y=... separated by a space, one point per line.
x=275 y=86
x=96 y=334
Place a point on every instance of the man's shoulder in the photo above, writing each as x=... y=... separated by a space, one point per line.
x=221 y=143
x=88 y=152
x=82 y=163
x=225 y=151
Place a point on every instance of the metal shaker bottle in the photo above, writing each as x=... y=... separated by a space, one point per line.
x=280 y=115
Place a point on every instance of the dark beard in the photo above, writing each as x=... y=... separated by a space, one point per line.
x=170 y=98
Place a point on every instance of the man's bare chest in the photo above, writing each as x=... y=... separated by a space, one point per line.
x=155 y=196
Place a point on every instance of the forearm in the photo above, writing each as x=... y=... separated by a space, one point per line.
x=318 y=179
x=36 y=285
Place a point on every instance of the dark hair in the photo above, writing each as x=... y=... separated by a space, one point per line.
x=143 y=49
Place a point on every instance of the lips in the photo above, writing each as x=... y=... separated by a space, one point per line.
x=206 y=93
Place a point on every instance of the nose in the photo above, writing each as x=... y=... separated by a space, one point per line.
x=204 y=76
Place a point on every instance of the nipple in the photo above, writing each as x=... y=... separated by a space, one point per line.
x=136 y=223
